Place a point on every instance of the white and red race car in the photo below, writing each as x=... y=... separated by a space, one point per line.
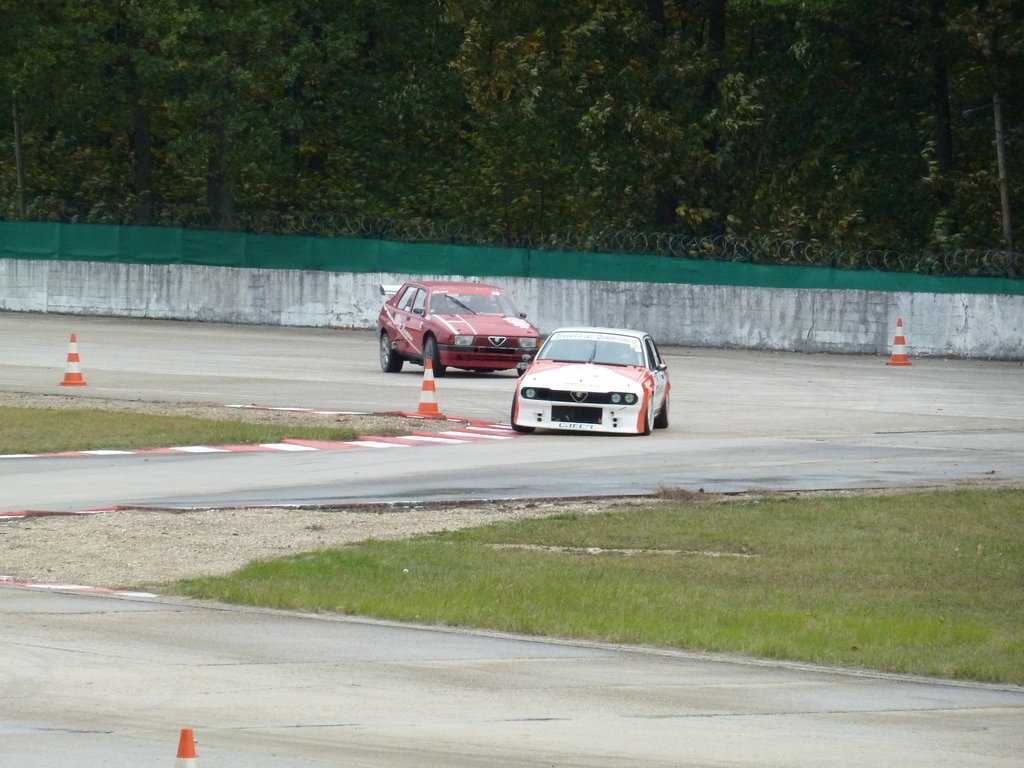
x=594 y=380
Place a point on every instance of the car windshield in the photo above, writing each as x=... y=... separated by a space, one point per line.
x=472 y=303
x=602 y=348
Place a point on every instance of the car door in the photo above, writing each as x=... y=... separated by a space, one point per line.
x=658 y=370
x=415 y=322
x=402 y=316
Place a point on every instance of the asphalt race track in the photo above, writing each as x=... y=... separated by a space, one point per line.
x=740 y=420
x=104 y=680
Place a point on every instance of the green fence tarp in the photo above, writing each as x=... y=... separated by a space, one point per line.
x=168 y=245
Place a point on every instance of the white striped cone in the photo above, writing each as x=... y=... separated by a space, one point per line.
x=899 y=347
x=428 y=393
x=73 y=374
x=186 y=750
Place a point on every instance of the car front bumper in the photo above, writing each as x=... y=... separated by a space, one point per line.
x=545 y=414
x=498 y=358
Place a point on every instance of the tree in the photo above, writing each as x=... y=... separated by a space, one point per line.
x=835 y=123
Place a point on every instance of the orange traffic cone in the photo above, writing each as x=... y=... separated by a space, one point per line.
x=73 y=374
x=186 y=750
x=899 y=347
x=428 y=393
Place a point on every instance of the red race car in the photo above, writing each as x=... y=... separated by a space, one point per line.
x=454 y=325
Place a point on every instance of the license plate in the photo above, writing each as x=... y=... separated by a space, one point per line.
x=576 y=414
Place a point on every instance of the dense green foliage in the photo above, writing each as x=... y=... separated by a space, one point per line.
x=837 y=123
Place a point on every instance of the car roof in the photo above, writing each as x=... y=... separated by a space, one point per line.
x=445 y=285
x=591 y=329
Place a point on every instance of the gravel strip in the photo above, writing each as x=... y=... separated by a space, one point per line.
x=137 y=548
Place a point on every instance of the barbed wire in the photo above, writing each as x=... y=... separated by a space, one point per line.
x=963 y=262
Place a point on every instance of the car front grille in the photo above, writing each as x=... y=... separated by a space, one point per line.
x=568 y=396
x=495 y=350
x=496 y=342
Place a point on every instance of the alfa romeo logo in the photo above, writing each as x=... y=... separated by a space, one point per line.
x=497 y=341
x=579 y=397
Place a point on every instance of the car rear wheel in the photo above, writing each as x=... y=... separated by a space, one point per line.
x=390 y=362
x=431 y=352
x=661 y=420
x=522 y=430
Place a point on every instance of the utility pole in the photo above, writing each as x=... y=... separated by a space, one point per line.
x=19 y=159
x=1004 y=182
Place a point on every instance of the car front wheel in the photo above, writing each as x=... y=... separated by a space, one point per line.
x=431 y=352
x=390 y=362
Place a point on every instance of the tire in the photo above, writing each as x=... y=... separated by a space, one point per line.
x=431 y=352
x=516 y=427
x=390 y=361
x=661 y=420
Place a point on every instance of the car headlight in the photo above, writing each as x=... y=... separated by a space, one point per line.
x=616 y=397
x=529 y=393
x=463 y=340
x=629 y=398
x=528 y=342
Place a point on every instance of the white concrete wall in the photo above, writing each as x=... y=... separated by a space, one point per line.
x=859 y=322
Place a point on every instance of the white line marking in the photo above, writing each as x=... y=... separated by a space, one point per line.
x=427 y=439
x=476 y=435
x=198 y=449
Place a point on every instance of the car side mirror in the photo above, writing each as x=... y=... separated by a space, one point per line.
x=521 y=368
x=522 y=315
x=418 y=311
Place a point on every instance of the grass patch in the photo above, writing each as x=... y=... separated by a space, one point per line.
x=926 y=583
x=42 y=430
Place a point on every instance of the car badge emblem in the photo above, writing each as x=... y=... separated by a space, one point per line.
x=497 y=341
x=579 y=397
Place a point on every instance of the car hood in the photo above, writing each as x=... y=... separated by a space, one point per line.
x=486 y=325
x=585 y=377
